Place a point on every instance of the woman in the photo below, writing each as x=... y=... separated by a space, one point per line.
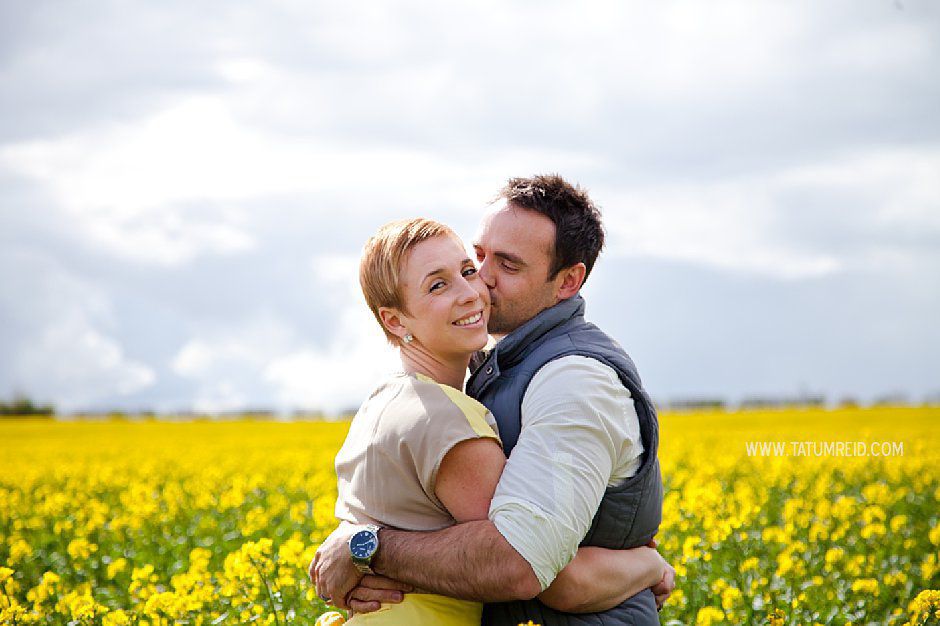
x=420 y=454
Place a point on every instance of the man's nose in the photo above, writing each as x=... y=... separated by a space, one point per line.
x=489 y=278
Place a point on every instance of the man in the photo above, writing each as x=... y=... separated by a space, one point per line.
x=580 y=432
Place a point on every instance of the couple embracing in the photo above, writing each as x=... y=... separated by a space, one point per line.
x=535 y=486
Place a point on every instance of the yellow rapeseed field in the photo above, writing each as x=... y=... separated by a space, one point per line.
x=118 y=522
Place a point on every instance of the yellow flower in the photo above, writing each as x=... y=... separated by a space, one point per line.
x=921 y=607
x=292 y=553
x=730 y=597
x=928 y=567
x=117 y=566
x=79 y=605
x=776 y=617
x=116 y=618
x=834 y=555
x=865 y=585
x=934 y=535
x=19 y=549
x=898 y=522
x=11 y=612
x=48 y=585
x=873 y=530
x=709 y=615
x=81 y=548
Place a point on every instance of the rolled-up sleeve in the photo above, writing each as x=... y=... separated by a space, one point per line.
x=576 y=425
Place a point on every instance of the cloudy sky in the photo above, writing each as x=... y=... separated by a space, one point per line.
x=185 y=187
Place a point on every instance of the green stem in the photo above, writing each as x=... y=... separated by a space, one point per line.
x=267 y=588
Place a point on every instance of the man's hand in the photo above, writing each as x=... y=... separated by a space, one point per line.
x=372 y=591
x=332 y=571
x=663 y=589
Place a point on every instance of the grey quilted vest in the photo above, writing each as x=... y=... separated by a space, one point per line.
x=629 y=514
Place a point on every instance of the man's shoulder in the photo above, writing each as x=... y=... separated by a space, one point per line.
x=577 y=365
x=575 y=377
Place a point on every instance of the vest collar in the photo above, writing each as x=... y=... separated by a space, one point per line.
x=511 y=348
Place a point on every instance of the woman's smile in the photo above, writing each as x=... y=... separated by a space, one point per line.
x=474 y=319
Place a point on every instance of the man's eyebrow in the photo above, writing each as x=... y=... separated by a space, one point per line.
x=508 y=256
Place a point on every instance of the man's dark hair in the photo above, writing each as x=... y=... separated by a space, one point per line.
x=579 y=234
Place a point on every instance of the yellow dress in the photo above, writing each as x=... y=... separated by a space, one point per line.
x=423 y=609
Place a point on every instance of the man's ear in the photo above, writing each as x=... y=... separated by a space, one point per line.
x=391 y=320
x=569 y=281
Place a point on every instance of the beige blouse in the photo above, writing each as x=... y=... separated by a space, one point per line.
x=387 y=467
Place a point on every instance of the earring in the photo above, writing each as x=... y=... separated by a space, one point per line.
x=408 y=338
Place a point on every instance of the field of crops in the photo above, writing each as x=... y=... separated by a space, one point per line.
x=200 y=522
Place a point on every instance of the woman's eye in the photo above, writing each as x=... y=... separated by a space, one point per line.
x=436 y=285
x=470 y=271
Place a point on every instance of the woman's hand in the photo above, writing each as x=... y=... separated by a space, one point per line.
x=373 y=591
x=663 y=589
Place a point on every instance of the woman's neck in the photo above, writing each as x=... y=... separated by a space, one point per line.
x=416 y=360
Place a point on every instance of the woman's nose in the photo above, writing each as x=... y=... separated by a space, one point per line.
x=468 y=293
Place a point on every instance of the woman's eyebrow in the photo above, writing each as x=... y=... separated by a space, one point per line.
x=439 y=270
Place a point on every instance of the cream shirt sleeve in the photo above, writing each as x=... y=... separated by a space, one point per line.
x=580 y=433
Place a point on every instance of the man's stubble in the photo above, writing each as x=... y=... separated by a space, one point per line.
x=506 y=316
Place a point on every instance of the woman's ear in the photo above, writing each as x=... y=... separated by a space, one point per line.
x=391 y=320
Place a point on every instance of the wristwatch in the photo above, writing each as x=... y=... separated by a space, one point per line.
x=362 y=546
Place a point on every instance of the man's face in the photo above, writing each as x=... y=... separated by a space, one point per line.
x=514 y=248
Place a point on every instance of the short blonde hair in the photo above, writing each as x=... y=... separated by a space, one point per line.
x=381 y=261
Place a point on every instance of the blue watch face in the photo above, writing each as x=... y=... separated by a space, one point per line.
x=363 y=544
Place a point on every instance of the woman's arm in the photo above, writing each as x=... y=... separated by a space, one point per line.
x=598 y=579
x=467 y=477
x=465 y=483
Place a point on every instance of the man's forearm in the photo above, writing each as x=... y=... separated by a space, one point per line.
x=472 y=561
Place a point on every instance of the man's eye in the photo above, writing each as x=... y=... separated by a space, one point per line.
x=509 y=268
x=480 y=256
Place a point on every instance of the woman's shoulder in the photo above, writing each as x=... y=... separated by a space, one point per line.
x=446 y=400
x=416 y=399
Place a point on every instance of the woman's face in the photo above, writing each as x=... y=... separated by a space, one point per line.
x=448 y=304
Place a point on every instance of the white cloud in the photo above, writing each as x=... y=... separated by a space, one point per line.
x=266 y=360
x=83 y=365
x=902 y=184
x=225 y=362
x=743 y=225
x=356 y=358
x=723 y=225
x=66 y=354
